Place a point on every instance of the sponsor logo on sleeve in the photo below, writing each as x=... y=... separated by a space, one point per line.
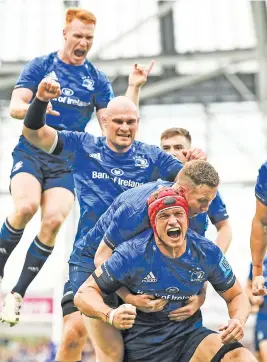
x=225 y=266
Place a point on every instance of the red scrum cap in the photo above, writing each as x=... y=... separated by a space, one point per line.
x=164 y=198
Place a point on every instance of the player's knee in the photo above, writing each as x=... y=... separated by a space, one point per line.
x=239 y=354
x=74 y=335
x=26 y=210
x=114 y=352
x=52 y=222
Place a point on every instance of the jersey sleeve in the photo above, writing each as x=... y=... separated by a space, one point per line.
x=217 y=210
x=166 y=165
x=116 y=271
x=261 y=185
x=221 y=275
x=31 y=75
x=124 y=225
x=70 y=143
x=104 y=92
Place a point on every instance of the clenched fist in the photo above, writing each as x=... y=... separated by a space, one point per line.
x=124 y=316
x=48 y=89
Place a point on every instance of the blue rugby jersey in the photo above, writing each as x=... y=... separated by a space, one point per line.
x=262 y=314
x=128 y=216
x=261 y=185
x=139 y=265
x=101 y=174
x=83 y=89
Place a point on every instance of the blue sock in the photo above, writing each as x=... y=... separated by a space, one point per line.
x=9 y=239
x=37 y=255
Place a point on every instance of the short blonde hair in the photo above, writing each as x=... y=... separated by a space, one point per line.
x=81 y=14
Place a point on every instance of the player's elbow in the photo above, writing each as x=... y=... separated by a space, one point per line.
x=16 y=112
x=79 y=298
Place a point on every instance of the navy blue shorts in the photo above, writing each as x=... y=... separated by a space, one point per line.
x=174 y=349
x=67 y=304
x=260 y=332
x=49 y=170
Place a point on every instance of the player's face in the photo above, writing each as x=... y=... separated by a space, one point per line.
x=199 y=198
x=175 y=145
x=171 y=227
x=78 y=41
x=121 y=129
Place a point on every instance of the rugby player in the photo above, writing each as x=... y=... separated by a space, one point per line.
x=258 y=237
x=259 y=306
x=198 y=182
x=172 y=263
x=175 y=141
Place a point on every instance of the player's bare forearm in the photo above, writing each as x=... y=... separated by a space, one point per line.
x=258 y=243
x=125 y=295
x=237 y=303
x=89 y=291
x=224 y=235
x=133 y=93
x=239 y=307
x=137 y=78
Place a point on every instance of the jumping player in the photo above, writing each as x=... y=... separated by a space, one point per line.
x=37 y=178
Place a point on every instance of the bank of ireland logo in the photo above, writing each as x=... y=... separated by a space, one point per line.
x=67 y=92
x=117 y=172
x=88 y=83
x=141 y=161
x=172 y=290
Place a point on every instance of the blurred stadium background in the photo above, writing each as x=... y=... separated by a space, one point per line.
x=210 y=77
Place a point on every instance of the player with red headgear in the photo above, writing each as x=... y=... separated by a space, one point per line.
x=172 y=263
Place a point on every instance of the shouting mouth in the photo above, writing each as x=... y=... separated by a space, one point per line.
x=79 y=53
x=174 y=233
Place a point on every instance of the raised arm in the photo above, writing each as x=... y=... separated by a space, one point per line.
x=137 y=78
x=35 y=129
